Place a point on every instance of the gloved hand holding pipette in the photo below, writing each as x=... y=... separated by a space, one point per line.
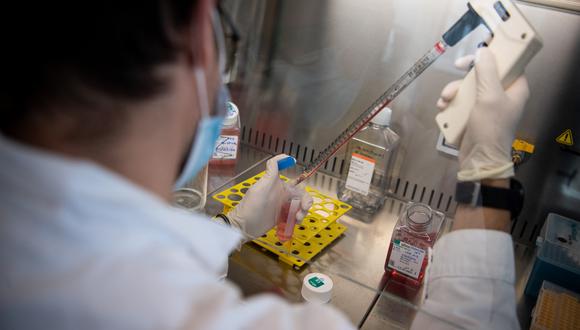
x=485 y=151
x=257 y=212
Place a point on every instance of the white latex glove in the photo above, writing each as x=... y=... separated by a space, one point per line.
x=257 y=212
x=485 y=150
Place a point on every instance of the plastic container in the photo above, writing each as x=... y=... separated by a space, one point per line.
x=227 y=149
x=193 y=196
x=317 y=288
x=557 y=308
x=414 y=235
x=370 y=157
x=558 y=255
x=287 y=215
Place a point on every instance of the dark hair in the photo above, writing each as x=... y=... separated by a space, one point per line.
x=59 y=53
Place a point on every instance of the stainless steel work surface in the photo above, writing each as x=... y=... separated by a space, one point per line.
x=355 y=261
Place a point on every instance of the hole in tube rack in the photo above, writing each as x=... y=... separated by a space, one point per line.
x=309 y=252
x=329 y=206
x=235 y=203
x=245 y=184
x=244 y=190
x=344 y=206
x=314 y=228
x=307 y=244
x=312 y=221
x=316 y=200
x=327 y=228
x=301 y=227
x=278 y=244
x=319 y=243
x=234 y=197
x=264 y=235
x=295 y=252
x=322 y=213
x=330 y=236
x=234 y=190
x=221 y=196
x=317 y=235
x=293 y=243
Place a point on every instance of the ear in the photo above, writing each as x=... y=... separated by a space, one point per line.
x=202 y=40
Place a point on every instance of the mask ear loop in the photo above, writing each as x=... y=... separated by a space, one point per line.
x=201 y=91
x=220 y=41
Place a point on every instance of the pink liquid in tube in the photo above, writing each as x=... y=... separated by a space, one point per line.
x=287 y=219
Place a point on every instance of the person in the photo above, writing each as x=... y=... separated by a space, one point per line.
x=105 y=107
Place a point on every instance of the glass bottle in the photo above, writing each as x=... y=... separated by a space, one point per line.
x=227 y=147
x=415 y=233
x=370 y=157
x=192 y=197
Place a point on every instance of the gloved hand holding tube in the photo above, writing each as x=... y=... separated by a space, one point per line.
x=258 y=211
x=485 y=150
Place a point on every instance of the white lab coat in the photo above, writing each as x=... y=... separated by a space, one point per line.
x=83 y=248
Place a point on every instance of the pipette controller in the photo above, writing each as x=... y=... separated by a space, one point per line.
x=514 y=43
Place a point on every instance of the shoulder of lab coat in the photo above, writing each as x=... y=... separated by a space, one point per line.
x=82 y=248
x=470 y=282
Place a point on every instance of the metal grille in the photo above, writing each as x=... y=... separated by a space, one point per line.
x=400 y=187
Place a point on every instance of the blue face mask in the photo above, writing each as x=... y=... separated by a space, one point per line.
x=208 y=130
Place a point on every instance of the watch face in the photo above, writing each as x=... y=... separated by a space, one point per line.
x=464 y=192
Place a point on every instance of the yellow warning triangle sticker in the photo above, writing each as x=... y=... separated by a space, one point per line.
x=566 y=138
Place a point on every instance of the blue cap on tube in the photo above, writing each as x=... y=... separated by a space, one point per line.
x=285 y=163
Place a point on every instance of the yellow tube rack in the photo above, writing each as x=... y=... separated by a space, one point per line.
x=318 y=229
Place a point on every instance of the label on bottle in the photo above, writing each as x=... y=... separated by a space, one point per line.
x=226 y=147
x=360 y=174
x=406 y=258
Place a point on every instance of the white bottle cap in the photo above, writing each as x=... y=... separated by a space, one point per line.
x=317 y=288
x=231 y=115
x=383 y=118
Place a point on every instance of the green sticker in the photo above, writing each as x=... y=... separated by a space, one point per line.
x=397 y=241
x=316 y=282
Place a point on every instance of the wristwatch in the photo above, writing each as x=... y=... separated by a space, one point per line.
x=476 y=194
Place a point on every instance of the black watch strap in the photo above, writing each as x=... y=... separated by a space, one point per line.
x=476 y=194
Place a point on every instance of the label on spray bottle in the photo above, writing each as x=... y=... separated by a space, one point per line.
x=360 y=174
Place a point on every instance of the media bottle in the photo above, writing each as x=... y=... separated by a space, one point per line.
x=227 y=147
x=414 y=235
x=369 y=161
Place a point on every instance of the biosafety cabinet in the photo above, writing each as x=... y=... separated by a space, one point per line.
x=301 y=71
